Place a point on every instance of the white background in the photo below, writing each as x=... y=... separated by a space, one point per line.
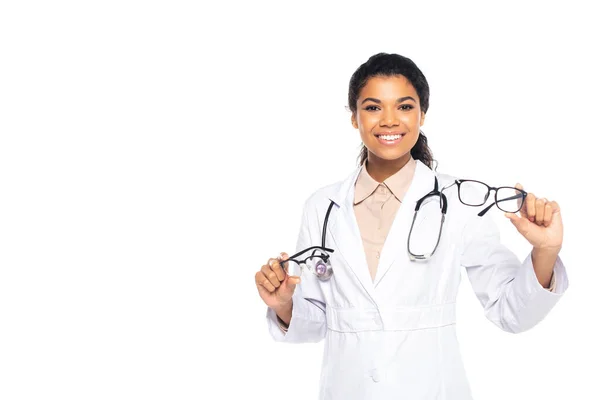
x=154 y=154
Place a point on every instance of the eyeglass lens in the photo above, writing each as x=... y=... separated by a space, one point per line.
x=473 y=193
x=294 y=267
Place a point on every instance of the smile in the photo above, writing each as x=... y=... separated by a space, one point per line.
x=390 y=138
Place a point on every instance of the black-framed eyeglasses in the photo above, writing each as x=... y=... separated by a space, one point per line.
x=317 y=261
x=475 y=193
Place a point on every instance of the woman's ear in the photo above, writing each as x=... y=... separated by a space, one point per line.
x=353 y=119
x=422 y=118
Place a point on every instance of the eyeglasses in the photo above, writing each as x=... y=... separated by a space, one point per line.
x=475 y=193
x=317 y=262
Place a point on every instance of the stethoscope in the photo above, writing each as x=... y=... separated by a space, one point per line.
x=443 y=206
x=323 y=269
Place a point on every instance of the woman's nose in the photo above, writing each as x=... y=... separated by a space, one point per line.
x=389 y=118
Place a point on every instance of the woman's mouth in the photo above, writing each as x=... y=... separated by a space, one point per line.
x=390 y=139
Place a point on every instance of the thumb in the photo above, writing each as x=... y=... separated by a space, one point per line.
x=292 y=281
x=289 y=285
x=519 y=222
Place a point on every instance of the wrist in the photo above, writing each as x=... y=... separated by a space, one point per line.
x=550 y=251
x=283 y=308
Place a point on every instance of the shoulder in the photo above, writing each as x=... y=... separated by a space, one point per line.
x=458 y=213
x=336 y=192
x=446 y=179
x=463 y=216
x=323 y=195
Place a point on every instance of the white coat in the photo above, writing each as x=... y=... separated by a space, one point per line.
x=395 y=337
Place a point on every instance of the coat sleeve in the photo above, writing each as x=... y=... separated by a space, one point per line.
x=308 y=323
x=508 y=290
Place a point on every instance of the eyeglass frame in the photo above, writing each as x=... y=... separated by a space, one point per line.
x=522 y=194
x=324 y=257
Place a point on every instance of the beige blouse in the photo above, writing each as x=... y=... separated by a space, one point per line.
x=375 y=206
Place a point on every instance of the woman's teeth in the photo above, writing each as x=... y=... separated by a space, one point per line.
x=390 y=137
x=390 y=140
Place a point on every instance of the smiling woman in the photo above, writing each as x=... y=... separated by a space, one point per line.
x=386 y=309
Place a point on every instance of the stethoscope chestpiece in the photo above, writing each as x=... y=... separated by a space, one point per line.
x=323 y=270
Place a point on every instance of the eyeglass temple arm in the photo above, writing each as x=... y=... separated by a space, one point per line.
x=485 y=210
x=312 y=248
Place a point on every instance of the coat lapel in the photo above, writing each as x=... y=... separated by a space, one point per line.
x=345 y=234
x=343 y=231
x=395 y=245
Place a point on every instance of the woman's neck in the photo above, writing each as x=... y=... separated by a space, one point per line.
x=380 y=169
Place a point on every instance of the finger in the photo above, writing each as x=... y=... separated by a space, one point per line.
x=262 y=291
x=282 y=257
x=530 y=205
x=262 y=282
x=277 y=269
x=548 y=214
x=521 y=223
x=292 y=281
x=556 y=217
x=268 y=272
x=540 y=206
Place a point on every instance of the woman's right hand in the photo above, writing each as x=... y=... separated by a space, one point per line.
x=274 y=285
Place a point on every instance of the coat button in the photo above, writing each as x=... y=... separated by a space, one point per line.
x=376 y=375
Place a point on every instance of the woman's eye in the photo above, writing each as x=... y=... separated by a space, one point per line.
x=403 y=107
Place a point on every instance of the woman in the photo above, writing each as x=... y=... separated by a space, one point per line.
x=387 y=313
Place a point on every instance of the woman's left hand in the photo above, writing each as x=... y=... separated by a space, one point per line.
x=539 y=222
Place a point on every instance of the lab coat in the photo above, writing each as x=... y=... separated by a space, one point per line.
x=394 y=337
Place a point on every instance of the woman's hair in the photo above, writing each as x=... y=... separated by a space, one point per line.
x=384 y=64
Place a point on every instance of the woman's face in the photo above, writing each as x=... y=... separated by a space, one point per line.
x=388 y=117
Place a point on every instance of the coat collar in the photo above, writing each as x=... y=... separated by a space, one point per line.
x=343 y=194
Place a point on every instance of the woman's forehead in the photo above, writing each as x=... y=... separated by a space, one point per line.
x=388 y=87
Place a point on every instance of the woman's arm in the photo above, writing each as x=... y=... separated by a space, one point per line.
x=305 y=315
x=511 y=292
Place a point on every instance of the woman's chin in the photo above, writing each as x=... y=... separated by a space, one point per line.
x=390 y=154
